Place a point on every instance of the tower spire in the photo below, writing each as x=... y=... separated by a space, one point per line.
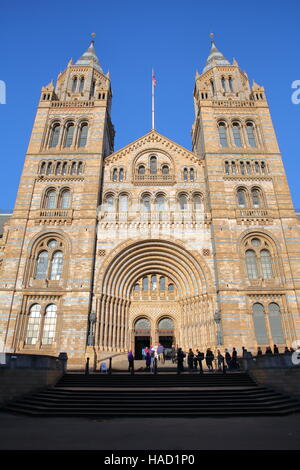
x=90 y=55
x=215 y=56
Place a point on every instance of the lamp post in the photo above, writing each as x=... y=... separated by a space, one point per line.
x=91 y=336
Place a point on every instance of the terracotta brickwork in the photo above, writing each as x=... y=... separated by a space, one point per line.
x=151 y=241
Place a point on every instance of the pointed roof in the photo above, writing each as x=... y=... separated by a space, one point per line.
x=88 y=56
x=215 y=57
x=153 y=139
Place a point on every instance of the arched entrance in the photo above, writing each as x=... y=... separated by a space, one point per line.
x=166 y=332
x=154 y=279
x=142 y=336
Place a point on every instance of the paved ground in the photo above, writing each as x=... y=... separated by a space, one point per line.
x=21 y=432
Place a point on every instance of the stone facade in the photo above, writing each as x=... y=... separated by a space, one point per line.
x=109 y=251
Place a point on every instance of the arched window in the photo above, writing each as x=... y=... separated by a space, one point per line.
x=223 y=134
x=223 y=81
x=54 y=135
x=74 y=84
x=162 y=283
x=33 y=326
x=236 y=130
x=192 y=174
x=43 y=168
x=145 y=283
x=212 y=87
x=259 y=323
x=69 y=135
x=93 y=88
x=233 y=168
x=49 y=325
x=142 y=324
x=197 y=202
x=153 y=282
x=256 y=199
x=185 y=174
x=263 y=168
x=121 y=174
x=153 y=165
x=183 y=202
x=275 y=323
x=251 y=264
x=136 y=287
x=56 y=266
x=110 y=203
x=64 y=168
x=65 y=199
x=171 y=287
x=73 y=168
x=146 y=203
x=165 y=170
x=251 y=134
x=141 y=170
x=166 y=324
x=257 y=167
x=241 y=198
x=227 y=169
x=80 y=168
x=81 y=84
x=115 y=174
x=41 y=269
x=242 y=168
x=49 y=168
x=266 y=264
x=83 y=135
x=123 y=202
x=50 y=200
x=230 y=81
x=248 y=167
x=160 y=202
x=58 y=168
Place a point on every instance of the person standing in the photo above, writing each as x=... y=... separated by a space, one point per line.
x=220 y=358
x=209 y=359
x=148 y=360
x=228 y=358
x=234 y=359
x=191 y=359
x=259 y=351
x=200 y=357
x=130 y=362
x=180 y=358
x=276 y=350
x=269 y=350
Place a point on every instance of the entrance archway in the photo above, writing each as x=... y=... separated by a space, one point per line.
x=142 y=336
x=166 y=332
x=186 y=285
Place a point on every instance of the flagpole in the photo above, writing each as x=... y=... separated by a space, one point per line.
x=152 y=81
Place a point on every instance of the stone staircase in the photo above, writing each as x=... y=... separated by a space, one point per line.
x=149 y=395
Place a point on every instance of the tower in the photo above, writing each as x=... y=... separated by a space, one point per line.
x=254 y=228
x=50 y=241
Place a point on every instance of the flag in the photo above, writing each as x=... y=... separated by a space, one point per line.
x=153 y=79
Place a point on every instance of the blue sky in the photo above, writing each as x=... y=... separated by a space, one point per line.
x=39 y=38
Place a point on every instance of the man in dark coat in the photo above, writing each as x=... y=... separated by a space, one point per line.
x=180 y=358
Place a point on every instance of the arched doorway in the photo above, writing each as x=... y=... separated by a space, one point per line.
x=166 y=332
x=155 y=279
x=142 y=336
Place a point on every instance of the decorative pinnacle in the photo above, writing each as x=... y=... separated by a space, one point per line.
x=212 y=36
x=93 y=35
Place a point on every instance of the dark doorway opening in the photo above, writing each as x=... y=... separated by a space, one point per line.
x=166 y=341
x=141 y=342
